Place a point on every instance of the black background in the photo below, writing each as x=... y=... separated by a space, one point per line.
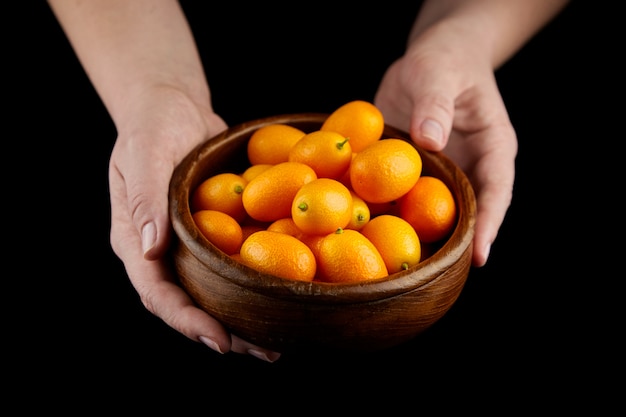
x=533 y=322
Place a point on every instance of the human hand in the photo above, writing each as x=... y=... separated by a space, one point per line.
x=443 y=91
x=163 y=126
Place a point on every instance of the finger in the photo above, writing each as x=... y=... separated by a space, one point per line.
x=495 y=172
x=159 y=293
x=492 y=174
x=166 y=300
x=145 y=182
x=433 y=98
x=154 y=280
x=415 y=95
x=241 y=346
x=156 y=287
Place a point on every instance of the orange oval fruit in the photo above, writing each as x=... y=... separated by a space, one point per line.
x=360 y=121
x=345 y=178
x=278 y=254
x=270 y=144
x=254 y=170
x=322 y=206
x=385 y=170
x=220 y=229
x=327 y=152
x=313 y=242
x=269 y=195
x=430 y=208
x=285 y=225
x=221 y=192
x=361 y=213
x=396 y=240
x=348 y=256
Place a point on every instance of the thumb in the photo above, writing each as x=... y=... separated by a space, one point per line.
x=139 y=195
x=150 y=208
x=155 y=231
x=431 y=117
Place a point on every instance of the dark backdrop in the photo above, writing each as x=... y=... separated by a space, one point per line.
x=532 y=314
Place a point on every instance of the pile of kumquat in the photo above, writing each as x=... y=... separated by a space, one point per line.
x=339 y=204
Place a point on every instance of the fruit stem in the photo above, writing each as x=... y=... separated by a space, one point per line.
x=340 y=145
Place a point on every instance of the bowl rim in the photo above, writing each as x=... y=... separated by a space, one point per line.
x=187 y=175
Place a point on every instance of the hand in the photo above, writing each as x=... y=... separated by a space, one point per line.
x=443 y=91
x=163 y=127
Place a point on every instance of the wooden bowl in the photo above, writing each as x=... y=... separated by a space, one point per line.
x=283 y=314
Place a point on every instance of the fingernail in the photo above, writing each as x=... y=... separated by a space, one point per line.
x=482 y=258
x=148 y=237
x=432 y=131
x=264 y=356
x=487 y=251
x=210 y=343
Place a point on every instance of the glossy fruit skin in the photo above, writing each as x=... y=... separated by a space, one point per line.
x=313 y=242
x=285 y=225
x=430 y=208
x=328 y=153
x=254 y=170
x=220 y=229
x=348 y=256
x=279 y=254
x=269 y=195
x=360 y=121
x=396 y=240
x=222 y=192
x=361 y=213
x=271 y=144
x=322 y=206
x=385 y=170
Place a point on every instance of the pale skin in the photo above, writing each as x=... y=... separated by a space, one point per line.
x=142 y=59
